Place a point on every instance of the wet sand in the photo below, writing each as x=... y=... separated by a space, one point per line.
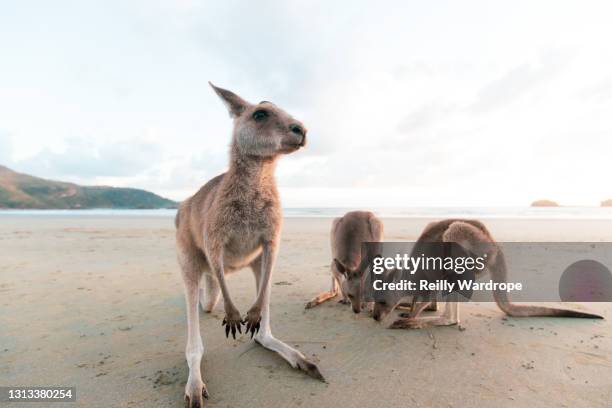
x=97 y=303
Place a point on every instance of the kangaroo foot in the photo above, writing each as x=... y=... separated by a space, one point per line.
x=322 y=297
x=406 y=323
x=310 y=368
x=422 y=323
x=195 y=395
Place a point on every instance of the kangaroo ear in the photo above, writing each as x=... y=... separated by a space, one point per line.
x=235 y=104
x=339 y=266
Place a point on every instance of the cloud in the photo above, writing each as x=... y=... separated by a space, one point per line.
x=425 y=117
x=601 y=91
x=405 y=97
x=267 y=46
x=6 y=148
x=520 y=80
x=83 y=160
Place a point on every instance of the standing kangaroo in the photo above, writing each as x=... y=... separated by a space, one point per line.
x=234 y=221
x=348 y=233
x=470 y=235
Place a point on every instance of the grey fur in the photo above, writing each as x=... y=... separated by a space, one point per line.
x=471 y=235
x=348 y=233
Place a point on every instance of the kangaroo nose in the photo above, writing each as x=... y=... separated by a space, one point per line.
x=300 y=131
x=297 y=129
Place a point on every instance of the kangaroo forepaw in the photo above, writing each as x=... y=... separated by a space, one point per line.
x=252 y=321
x=194 y=398
x=344 y=301
x=232 y=322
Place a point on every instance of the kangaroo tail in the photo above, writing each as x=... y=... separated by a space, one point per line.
x=498 y=273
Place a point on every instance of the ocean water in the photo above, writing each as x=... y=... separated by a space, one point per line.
x=410 y=212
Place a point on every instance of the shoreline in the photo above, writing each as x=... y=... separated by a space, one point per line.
x=437 y=212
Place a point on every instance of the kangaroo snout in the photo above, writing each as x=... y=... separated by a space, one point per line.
x=355 y=303
x=300 y=131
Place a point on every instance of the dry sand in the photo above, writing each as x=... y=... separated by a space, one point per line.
x=97 y=303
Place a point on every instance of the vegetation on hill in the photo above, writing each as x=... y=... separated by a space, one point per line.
x=19 y=190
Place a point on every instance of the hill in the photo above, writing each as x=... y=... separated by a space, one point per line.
x=19 y=190
x=544 y=203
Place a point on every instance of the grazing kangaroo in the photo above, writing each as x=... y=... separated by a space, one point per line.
x=347 y=268
x=470 y=235
x=234 y=221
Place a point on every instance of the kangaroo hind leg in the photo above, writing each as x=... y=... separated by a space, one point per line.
x=264 y=335
x=450 y=317
x=210 y=293
x=195 y=389
x=325 y=296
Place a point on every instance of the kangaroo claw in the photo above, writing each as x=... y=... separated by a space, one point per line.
x=253 y=322
x=232 y=322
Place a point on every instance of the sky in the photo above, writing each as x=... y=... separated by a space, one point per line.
x=471 y=103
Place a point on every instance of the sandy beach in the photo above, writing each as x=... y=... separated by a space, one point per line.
x=97 y=303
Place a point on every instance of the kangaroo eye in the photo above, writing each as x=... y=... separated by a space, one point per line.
x=260 y=115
